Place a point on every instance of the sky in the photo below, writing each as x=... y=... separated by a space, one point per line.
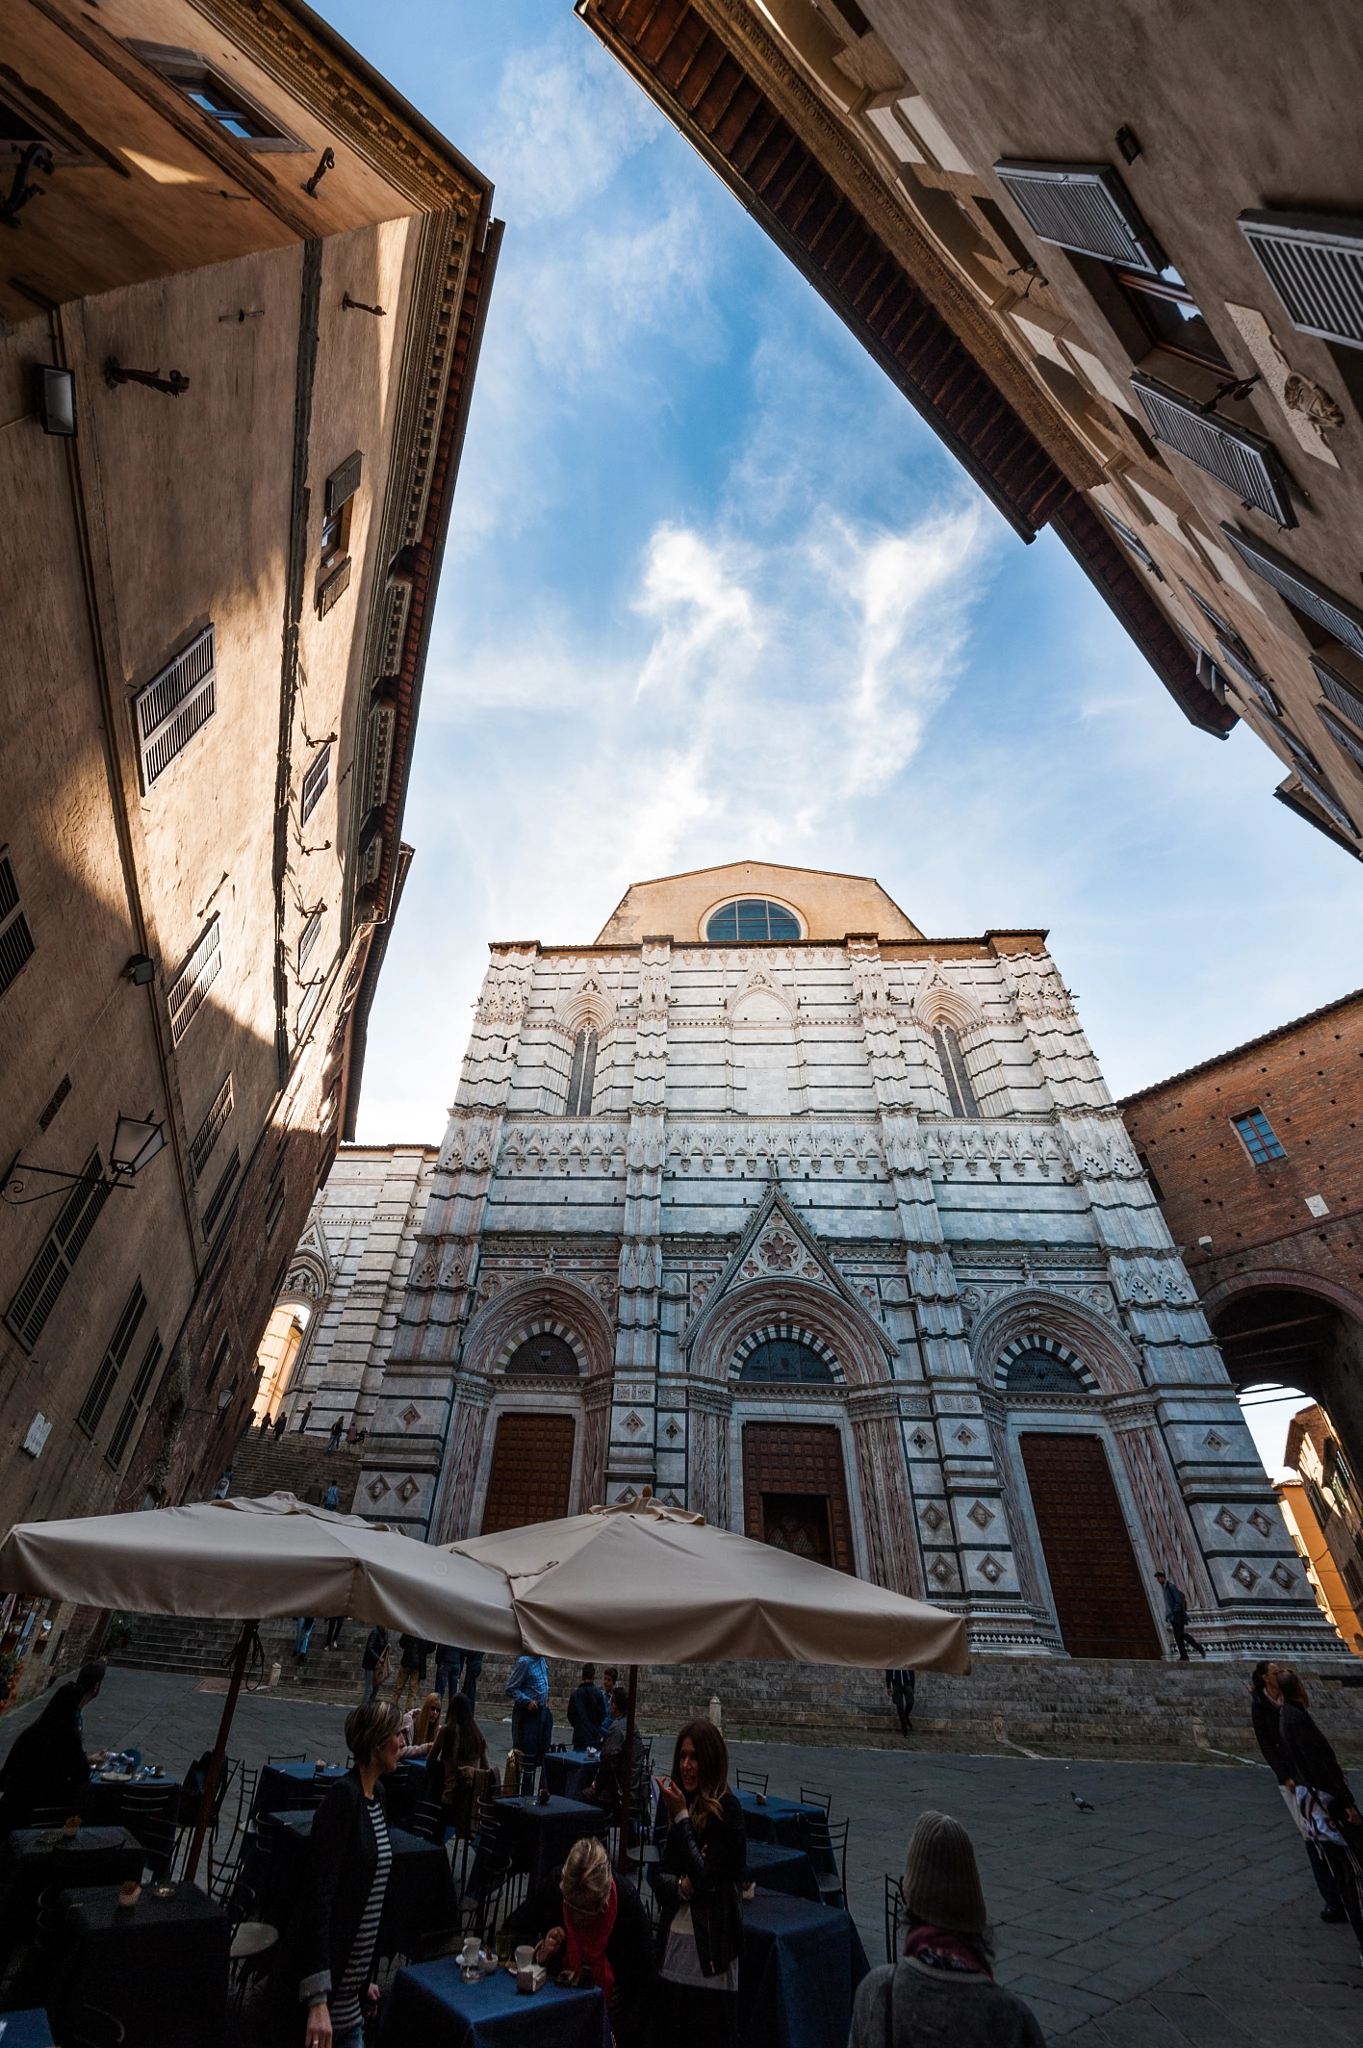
x=714 y=591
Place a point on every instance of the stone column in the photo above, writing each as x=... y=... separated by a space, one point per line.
x=630 y=1457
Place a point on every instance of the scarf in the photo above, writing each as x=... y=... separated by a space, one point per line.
x=943 y=1950
x=587 y=1940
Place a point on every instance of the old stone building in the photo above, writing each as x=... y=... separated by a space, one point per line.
x=241 y=298
x=832 y=1232
x=1115 y=259
x=1324 y=1510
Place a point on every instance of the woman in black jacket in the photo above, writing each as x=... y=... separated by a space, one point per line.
x=1338 y=1830
x=697 y=1881
x=1265 y=1706
x=48 y=1764
x=323 y=1970
x=583 y=1919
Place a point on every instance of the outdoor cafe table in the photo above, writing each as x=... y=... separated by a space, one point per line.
x=433 y=2005
x=777 y=1868
x=35 y=1858
x=289 y=1787
x=160 y=1967
x=569 y=1772
x=420 y=1898
x=403 y=1789
x=786 y=1820
x=536 y=1834
x=799 y=1974
x=101 y=1801
x=25 y=2029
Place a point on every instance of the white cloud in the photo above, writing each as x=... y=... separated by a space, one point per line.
x=567 y=118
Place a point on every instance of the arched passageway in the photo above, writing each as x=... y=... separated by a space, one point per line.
x=1293 y=1336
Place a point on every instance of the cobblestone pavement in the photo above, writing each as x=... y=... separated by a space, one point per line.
x=1181 y=1910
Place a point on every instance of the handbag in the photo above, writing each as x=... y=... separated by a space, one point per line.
x=383 y=1667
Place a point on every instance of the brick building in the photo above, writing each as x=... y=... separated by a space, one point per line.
x=1256 y=1159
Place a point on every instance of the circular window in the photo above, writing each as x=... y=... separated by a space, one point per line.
x=752 y=917
x=544 y=1355
x=785 y=1358
x=1039 y=1372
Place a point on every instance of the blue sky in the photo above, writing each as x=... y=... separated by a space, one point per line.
x=712 y=590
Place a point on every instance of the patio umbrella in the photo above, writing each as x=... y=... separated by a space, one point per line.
x=228 y=1559
x=648 y=1584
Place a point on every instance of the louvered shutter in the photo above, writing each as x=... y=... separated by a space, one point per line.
x=192 y=983
x=174 y=706
x=102 y=1385
x=51 y=1269
x=307 y=1008
x=1239 y=458
x=16 y=940
x=1083 y=207
x=307 y=938
x=1137 y=546
x=314 y=782
x=1342 y=734
x=343 y=483
x=1249 y=675
x=1327 y=800
x=210 y=1130
x=132 y=1407
x=1336 y=614
x=217 y=1200
x=1342 y=695
x=1315 y=265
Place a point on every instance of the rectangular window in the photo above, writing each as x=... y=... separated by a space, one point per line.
x=50 y=1271
x=132 y=1407
x=221 y=98
x=1083 y=207
x=16 y=940
x=1315 y=264
x=194 y=980
x=217 y=1201
x=1344 y=696
x=210 y=1130
x=1171 y=317
x=1244 y=461
x=309 y=936
x=1256 y=1134
x=174 y=706
x=110 y=1366
x=314 y=782
x=1342 y=620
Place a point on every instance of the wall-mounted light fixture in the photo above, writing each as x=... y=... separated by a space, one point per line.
x=325 y=162
x=140 y=970
x=137 y=1140
x=173 y=385
x=55 y=391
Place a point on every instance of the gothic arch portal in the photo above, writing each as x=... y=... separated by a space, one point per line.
x=1053 y=1321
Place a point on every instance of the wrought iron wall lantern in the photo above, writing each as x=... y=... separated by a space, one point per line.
x=136 y=1142
x=115 y=374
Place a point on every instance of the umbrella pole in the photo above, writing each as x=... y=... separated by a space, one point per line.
x=239 y=1656
x=628 y=1767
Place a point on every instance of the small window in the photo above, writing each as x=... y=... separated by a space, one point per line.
x=16 y=940
x=1257 y=1135
x=547 y=1354
x=315 y=780
x=174 y=706
x=1167 y=311
x=51 y=1269
x=786 y=1360
x=217 y=96
x=1040 y=1372
x=1244 y=461
x=1342 y=621
x=110 y=1366
x=210 y=1130
x=583 y=1076
x=132 y=1407
x=309 y=936
x=192 y=983
x=751 y=918
x=1242 y=664
x=960 y=1094
x=220 y=1358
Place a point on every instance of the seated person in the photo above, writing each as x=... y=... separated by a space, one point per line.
x=944 y=1989
x=459 y=1777
x=419 y=1729
x=609 y=1681
x=590 y=1924
x=48 y=1764
x=604 y=1789
x=587 y=1710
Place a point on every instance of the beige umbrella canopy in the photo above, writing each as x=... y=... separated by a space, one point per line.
x=648 y=1584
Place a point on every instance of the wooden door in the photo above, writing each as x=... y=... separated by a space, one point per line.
x=1100 y=1601
x=532 y=1471
x=795 y=1490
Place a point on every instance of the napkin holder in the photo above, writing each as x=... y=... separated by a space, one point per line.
x=531 y=1977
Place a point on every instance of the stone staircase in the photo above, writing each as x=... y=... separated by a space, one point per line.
x=297 y=1464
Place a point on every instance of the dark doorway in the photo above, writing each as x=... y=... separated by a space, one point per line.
x=794 y=1462
x=798 y=1522
x=1100 y=1601
x=532 y=1471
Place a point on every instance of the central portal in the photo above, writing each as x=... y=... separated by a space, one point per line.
x=532 y=1471
x=1100 y=1601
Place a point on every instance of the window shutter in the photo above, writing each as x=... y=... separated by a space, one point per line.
x=174 y=706
x=334 y=588
x=217 y=1200
x=16 y=940
x=210 y=1130
x=1342 y=695
x=307 y=1008
x=1239 y=664
x=102 y=1385
x=1327 y=800
x=1336 y=614
x=314 y=782
x=1083 y=207
x=1341 y=734
x=132 y=1407
x=1137 y=547
x=343 y=483
x=51 y=1269
x=308 y=937
x=1209 y=674
x=1300 y=753
x=1315 y=265
x=1242 y=460
x=194 y=980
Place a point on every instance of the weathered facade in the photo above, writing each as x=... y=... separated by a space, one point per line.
x=833 y=1233
x=1324 y=1511
x=1116 y=261
x=241 y=317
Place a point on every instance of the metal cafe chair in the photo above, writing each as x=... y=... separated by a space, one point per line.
x=809 y=1797
x=300 y=1758
x=428 y=1821
x=895 y=1914
x=752 y=1781
x=828 y=1853
x=92 y=2027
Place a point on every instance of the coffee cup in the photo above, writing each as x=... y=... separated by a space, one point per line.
x=524 y=1958
x=71 y=1827
x=129 y=1892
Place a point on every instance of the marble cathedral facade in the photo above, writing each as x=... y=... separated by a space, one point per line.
x=831 y=1232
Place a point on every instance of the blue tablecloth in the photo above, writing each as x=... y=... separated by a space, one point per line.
x=779 y=1869
x=535 y=1836
x=800 y=1971
x=287 y=1788
x=569 y=1772
x=431 y=2004
x=25 y=2029
x=160 y=1966
x=420 y=1899
x=788 y=1822
x=100 y=1803
x=32 y=1860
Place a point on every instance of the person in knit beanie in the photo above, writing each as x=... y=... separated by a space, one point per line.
x=944 y=1988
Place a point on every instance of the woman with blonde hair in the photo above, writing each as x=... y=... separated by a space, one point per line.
x=697 y=1881
x=592 y=1928
x=420 y=1728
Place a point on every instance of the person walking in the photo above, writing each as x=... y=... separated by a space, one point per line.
x=587 y=1710
x=332 y=1498
x=375 y=1664
x=333 y=1442
x=1265 y=1705
x=532 y=1724
x=281 y=1425
x=900 y=1686
x=1176 y=1613
x=266 y=1423
x=334 y=1627
x=302 y=1636
x=944 y=1989
x=1326 y=1798
x=447 y=1661
x=411 y=1673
